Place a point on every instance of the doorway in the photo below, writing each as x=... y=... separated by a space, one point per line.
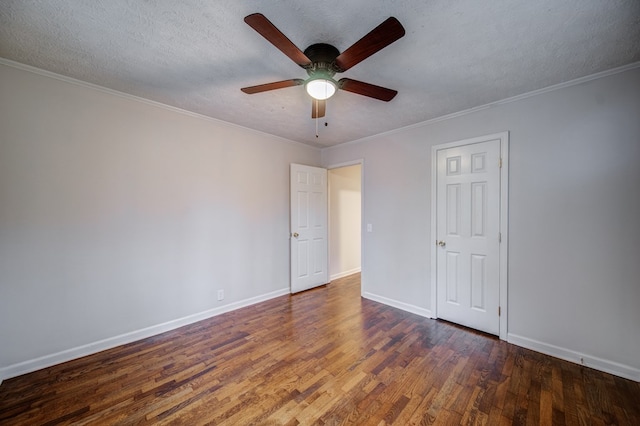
x=345 y=220
x=326 y=221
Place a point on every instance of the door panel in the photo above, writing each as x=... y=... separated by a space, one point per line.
x=468 y=226
x=478 y=282
x=452 y=277
x=309 y=230
x=453 y=209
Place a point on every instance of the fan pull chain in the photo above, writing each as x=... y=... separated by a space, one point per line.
x=317 y=118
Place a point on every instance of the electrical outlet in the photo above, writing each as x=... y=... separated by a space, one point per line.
x=220 y=294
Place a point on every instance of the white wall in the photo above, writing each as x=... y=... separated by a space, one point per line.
x=118 y=216
x=344 y=220
x=574 y=233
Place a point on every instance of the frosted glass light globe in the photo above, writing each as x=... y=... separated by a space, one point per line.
x=321 y=88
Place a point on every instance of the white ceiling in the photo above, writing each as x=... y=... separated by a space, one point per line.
x=197 y=54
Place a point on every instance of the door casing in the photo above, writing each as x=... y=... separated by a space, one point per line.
x=504 y=204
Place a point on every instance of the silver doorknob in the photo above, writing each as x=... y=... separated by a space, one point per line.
x=442 y=243
x=295 y=235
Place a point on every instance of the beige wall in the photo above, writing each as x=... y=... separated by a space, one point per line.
x=120 y=218
x=574 y=204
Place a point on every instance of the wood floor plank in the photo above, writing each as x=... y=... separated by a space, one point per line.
x=325 y=357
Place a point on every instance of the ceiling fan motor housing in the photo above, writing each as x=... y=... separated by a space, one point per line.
x=323 y=57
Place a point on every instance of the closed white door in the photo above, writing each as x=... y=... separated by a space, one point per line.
x=309 y=227
x=468 y=235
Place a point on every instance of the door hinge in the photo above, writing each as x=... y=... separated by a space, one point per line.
x=499 y=311
x=499 y=237
x=500 y=162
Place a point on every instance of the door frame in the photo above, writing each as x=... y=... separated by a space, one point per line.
x=356 y=162
x=504 y=222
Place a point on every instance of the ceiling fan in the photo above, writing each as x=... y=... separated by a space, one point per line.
x=322 y=61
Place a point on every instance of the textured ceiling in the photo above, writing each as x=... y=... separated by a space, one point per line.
x=197 y=54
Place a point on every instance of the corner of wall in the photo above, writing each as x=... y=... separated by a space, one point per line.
x=608 y=366
x=407 y=307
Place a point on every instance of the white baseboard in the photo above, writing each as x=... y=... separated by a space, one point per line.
x=344 y=274
x=397 y=304
x=24 y=367
x=596 y=363
x=111 y=342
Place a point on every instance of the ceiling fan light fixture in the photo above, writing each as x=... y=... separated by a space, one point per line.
x=321 y=88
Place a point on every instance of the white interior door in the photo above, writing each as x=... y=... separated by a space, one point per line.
x=468 y=235
x=309 y=230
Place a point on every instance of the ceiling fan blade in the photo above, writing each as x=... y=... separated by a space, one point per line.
x=318 y=108
x=376 y=40
x=272 y=86
x=366 y=89
x=266 y=29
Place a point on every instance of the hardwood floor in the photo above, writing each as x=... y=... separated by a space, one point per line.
x=323 y=357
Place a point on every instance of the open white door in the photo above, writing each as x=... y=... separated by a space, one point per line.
x=309 y=227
